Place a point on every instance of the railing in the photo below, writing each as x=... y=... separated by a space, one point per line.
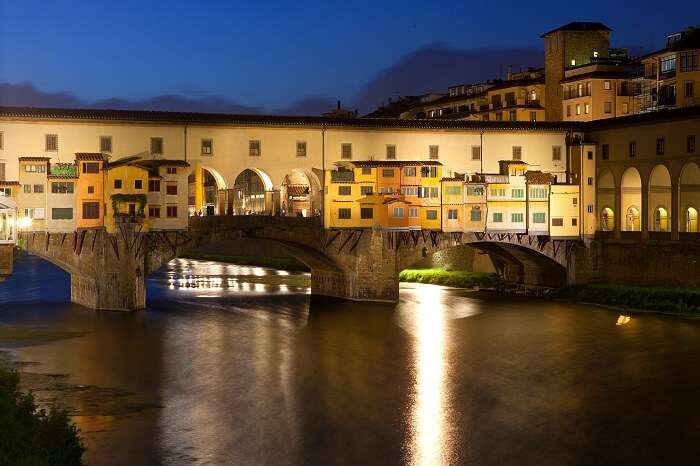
x=343 y=176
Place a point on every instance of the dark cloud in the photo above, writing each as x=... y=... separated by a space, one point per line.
x=315 y=105
x=435 y=67
x=26 y=95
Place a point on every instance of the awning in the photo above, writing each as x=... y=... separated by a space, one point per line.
x=297 y=190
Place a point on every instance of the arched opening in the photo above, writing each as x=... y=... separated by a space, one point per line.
x=691 y=220
x=660 y=219
x=204 y=188
x=689 y=196
x=8 y=223
x=300 y=194
x=607 y=219
x=660 y=208
x=631 y=190
x=252 y=193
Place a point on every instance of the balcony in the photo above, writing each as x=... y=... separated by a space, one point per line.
x=532 y=103
x=342 y=176
x=496 y=104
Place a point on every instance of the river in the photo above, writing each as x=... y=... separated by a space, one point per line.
x=240 y=365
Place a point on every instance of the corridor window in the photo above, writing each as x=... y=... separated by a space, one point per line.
x=517 y=153
x=207 y=146
x=171 y=188
x=153 y=186
x=344 y=190
x=434 y=152
x=91 y=210
x=690 y=144
x=659 y=146
x=117 y=184
x=517 y=193
x=605 y=150
x=344 y=213
x=366 y=213
x=409 y=171
x=388 y=172
x=476 y=152
x=556 y=153
x=607 y=107
x=91 y=167
x=154 y=211
x=346 y=151
x=106 y=144
x=431 y=214
x=538 y=217
x=633 y=149
x=156 y=146
x=301 y=148
x=171 y=211
x=497 y=217
x=453 y=190
x=558 y=222
x=391 y=152
x=452 y=214
x=366 y=190
x=51 y=142
x=62 y=213
x=254 y=148
x=516 y=217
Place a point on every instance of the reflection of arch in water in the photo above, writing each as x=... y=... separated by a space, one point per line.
x=607 y=219
x=300 y=193
x=660 y=209
x=252 y=192
x=631 y=189
x=689 y=197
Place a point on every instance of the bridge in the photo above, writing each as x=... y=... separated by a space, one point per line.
x=108 y=271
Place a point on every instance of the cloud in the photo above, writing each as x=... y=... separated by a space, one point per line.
x=436 y=66
x=314 y=105
x=26 y=95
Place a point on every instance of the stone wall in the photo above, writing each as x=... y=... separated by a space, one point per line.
x=6 y=253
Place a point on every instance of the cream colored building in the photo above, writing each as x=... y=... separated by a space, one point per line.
x=61 y=199
x=31 y=198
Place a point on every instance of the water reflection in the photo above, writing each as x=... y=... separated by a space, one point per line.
x=622 y=320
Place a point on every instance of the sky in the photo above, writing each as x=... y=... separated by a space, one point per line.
x=287 y=57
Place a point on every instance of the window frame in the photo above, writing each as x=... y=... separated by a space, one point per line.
x=157 y=146
x=51 y=142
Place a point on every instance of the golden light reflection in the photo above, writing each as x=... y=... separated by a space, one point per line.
x=622 y=320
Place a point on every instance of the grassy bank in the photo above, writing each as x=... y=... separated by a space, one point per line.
x=29 y=436
x=455 y=278
x=283 y=263
x=656 y=298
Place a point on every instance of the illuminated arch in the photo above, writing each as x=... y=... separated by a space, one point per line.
x=660 y=209
x=631 y=199
x=689 y=197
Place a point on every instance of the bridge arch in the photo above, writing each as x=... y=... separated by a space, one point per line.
x=606 y=199
x=689 y=197
x=660 y=208
x=631 y=200
x=253 y=193
x=204 y=187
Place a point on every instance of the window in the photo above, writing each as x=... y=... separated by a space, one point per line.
x=106 y=144
x=62 y=213
x=344 y=190
x=344 y=213
x=573 y=62
x=516 y=217
x=157 y=146
x=574 y=200
x=538 y=193
x=39 y=188
x=388 y=172
x=366 y=171
x=605 y=148
x=538 y=217
x=428 y=172
x=590 y=208
x=668 y=64
x=568 y=110
x=154 y=211
x=606 y=85
x=171 y=170
x=578 y=109
x=587 y=108
x=475 y=190
x=390 y=152
x=517 y=193
x=453 y=190
x=51 y=142
x=346 y=151
x=590 y=181
x=574 y=222
x=533 y=116
x=91 y=167
x=607 y=107
x=398 y=212
x=476 y=152
x=434 y=193
x=690 y=61
x=171 y=211
x=558 y=222
x=409 y=190
x=431 y=214
x=35 y=168
x=409 y=171
x=659 y=146
x=301 y=148
x=475 y=214
x=434 y=152
x=689 y=89
x=690 y=144
x=254 y=148
x=207 y=146
x=512 y=116
x=171 y=188
x=153 y=186
x=2 y=140
x=6 y=192
x=27 y=188
x=499 y=116
x=138 y=184
x=498 y=192
x=62 y=187
x=386 y=190
x=633 y=149
x=2 y=171
x=117 y=184
x=91 y=210
x=452 y=214
x=590 y=155
x=556 y=153
x=517 y=153
x=625 y=107
x=35 y=213
x=413 y=212
x=365 y=190
x=497 y=217
x=91 y=190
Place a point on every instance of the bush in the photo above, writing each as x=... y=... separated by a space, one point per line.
x=685 y=300
x=455 y=278
x=33 y=437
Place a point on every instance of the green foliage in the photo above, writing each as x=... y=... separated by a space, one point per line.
x=34 y=437
x=455 y=278
x=667 y=299
x=64 y=169
x=140 y=199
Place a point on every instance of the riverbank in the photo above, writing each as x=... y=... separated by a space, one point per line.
x=282 y=263
x=453 y=278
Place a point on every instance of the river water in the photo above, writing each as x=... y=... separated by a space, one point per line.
x=239 y=365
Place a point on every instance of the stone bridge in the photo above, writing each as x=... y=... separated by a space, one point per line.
x=108 y=271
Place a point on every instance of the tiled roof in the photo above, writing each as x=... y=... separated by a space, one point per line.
x=392 y=163
x=9 y=183
x=538 y=177
x=297 y=190
x=164 y=163
x=133 y=160
x=599 y=75
x=270 y=120
x=34 y=159
x=91 y=156
x=580 y=26
x=642 y=118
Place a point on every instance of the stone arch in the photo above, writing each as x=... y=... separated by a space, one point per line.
x=205 y=186
x=689 y=197
x=607 y=219
x=252 y=193
x=631 y=199
x=660 y=208
x=605 y=194
x=300 y=193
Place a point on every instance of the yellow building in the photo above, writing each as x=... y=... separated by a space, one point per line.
x=89 y=190
x=475 y=203
x=125 y=188
x=519 y=98
x=167 y=194
x=564 y=205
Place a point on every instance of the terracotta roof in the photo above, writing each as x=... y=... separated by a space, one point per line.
x=62 y=177
x=297 y=190
x=453 y=178
x=391 y=163
x=9 y=183
x=580 y=26
x=599 y=75
x=164 y=163
x=271 y=120
x=92 y=156
x=34 y=159
x=133 y=160
x=538 y=177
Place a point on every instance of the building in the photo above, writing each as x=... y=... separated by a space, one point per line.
x=167 y=194
x=32 y=197
x=8 y=223
x=61 y=198
x=89 y=189
x=125 y=198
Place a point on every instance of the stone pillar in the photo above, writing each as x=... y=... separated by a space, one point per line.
x=198 y=189
x=619 y=214
x=644 y=219
x=6 y=253
x=675 y=208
